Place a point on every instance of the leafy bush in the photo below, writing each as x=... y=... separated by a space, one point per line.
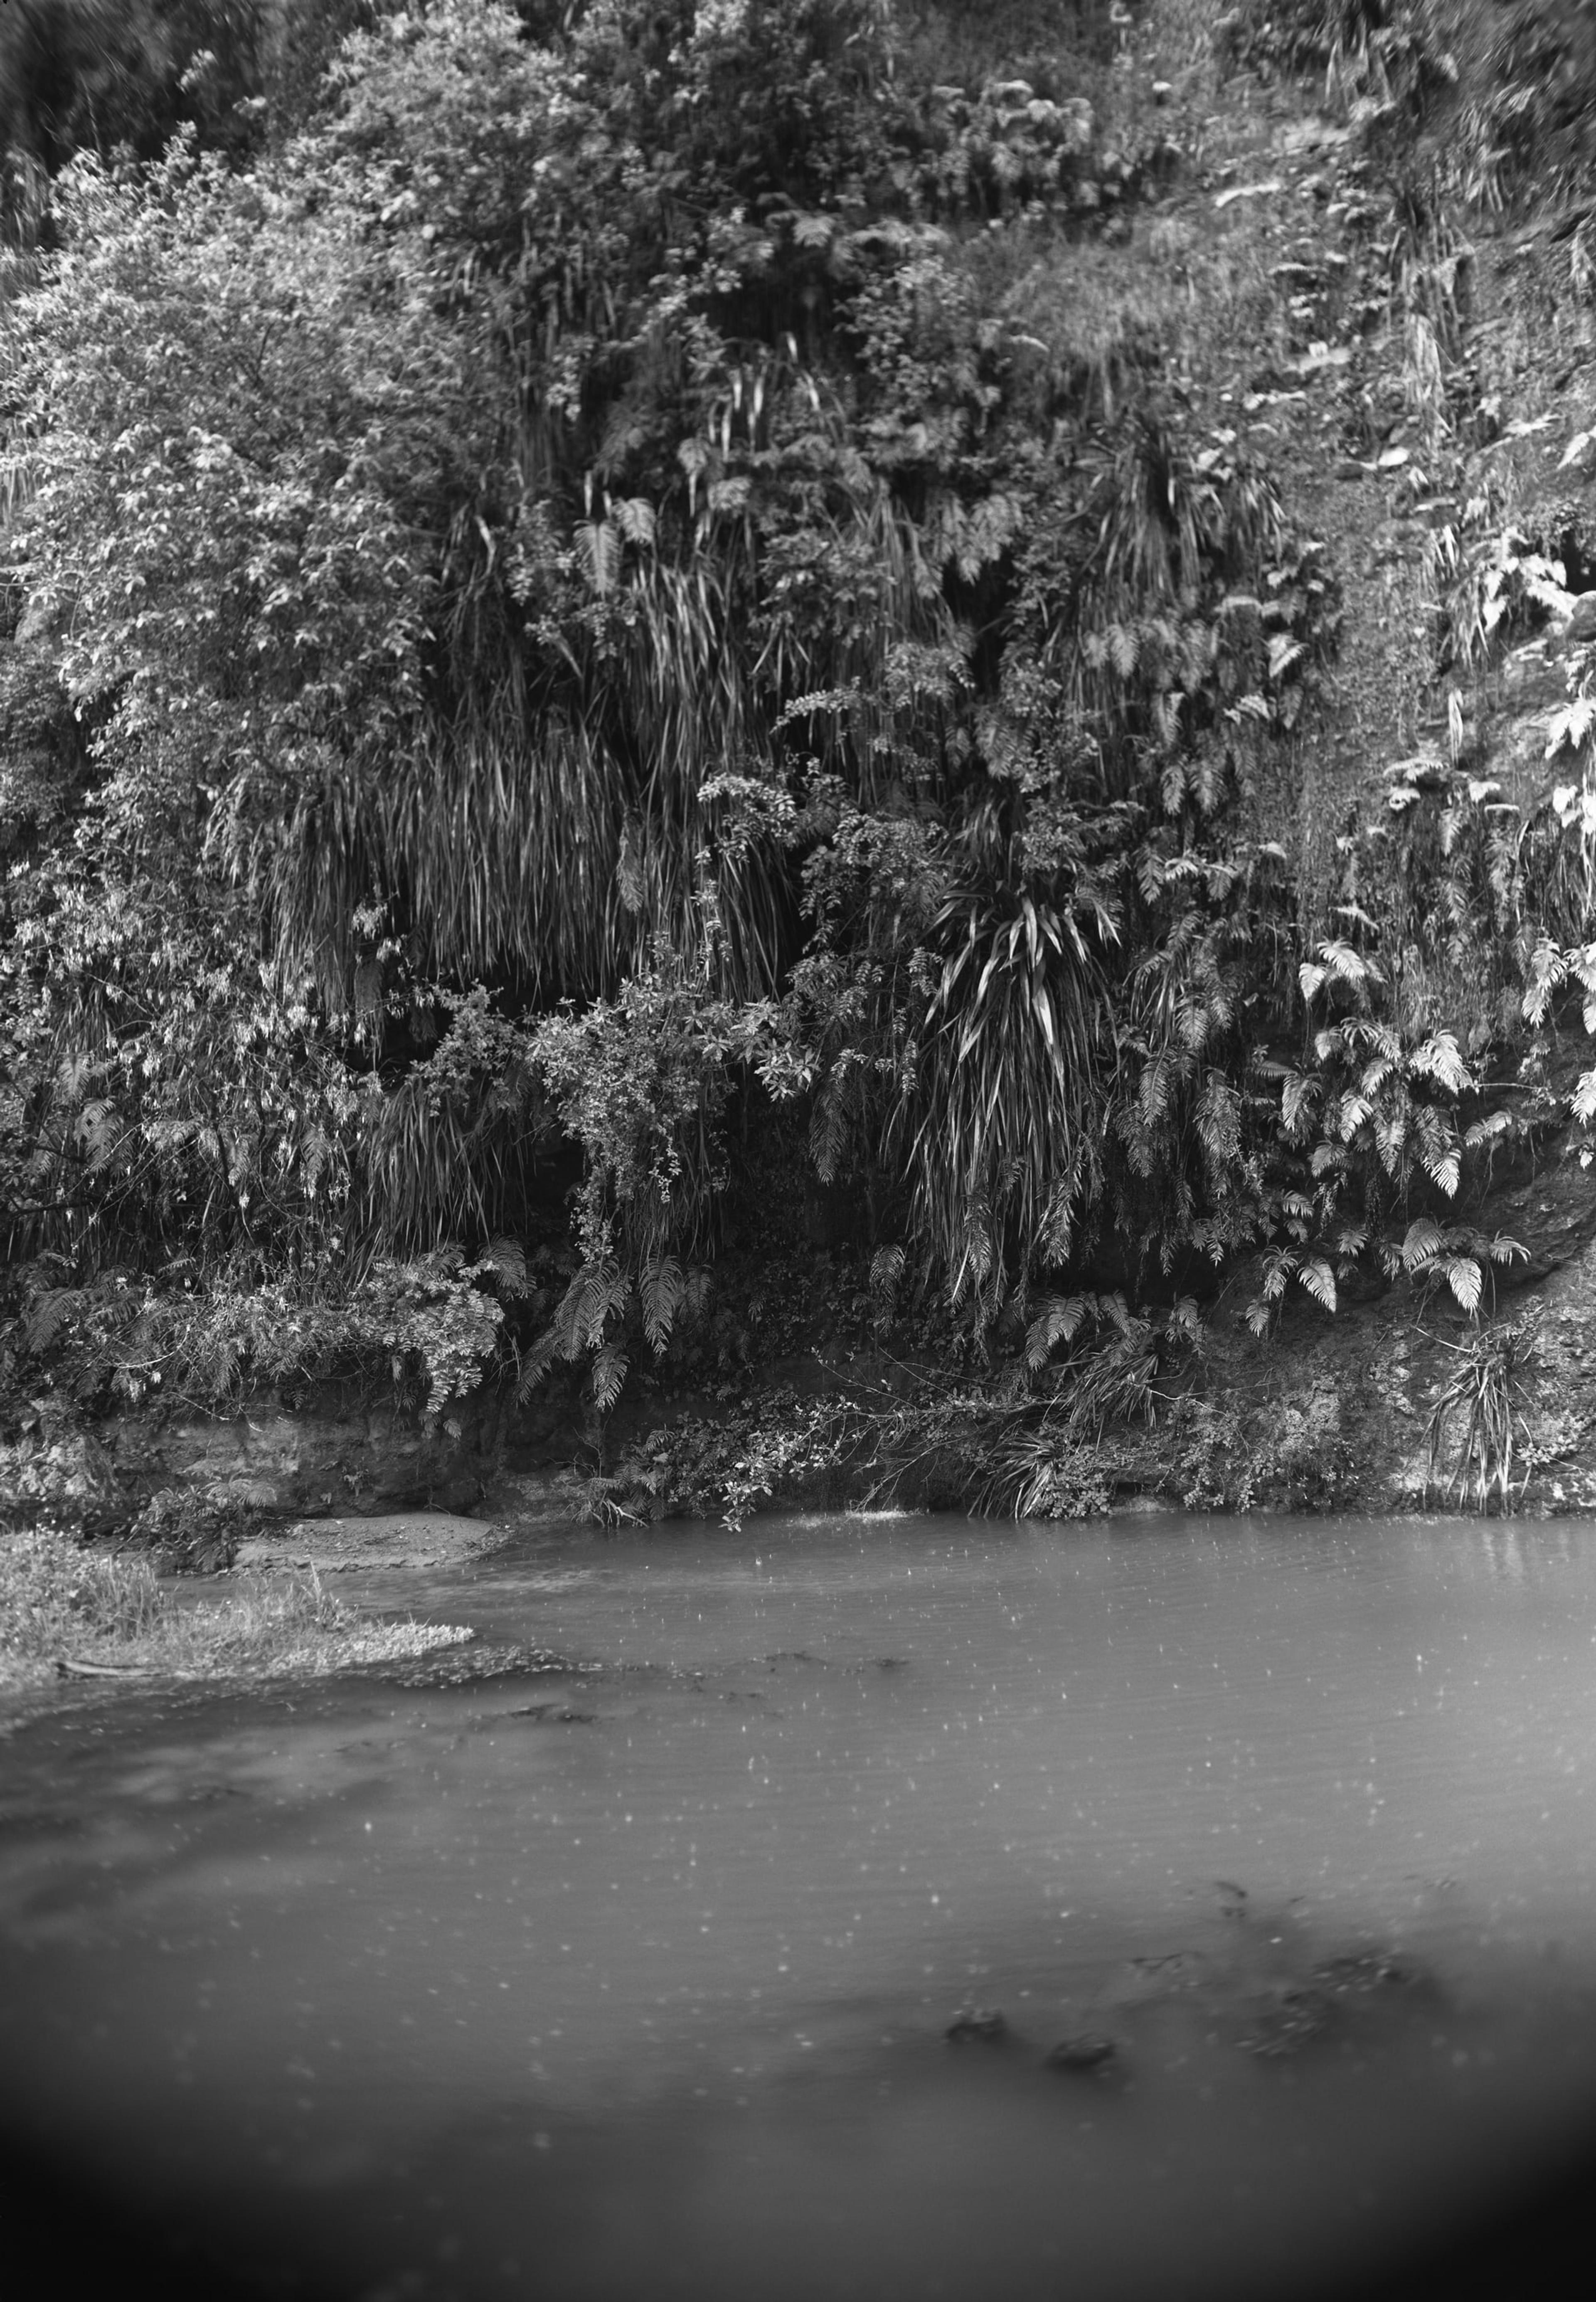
x=1375 y=1124
x=429 y=1324
x=1292 y=1453
x=191 y=1534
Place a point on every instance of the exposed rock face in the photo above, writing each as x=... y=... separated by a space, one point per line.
x=341 y=1464
x=303 y=1464
x=389 y=1540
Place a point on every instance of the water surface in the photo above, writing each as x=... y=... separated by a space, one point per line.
x=632 y=1978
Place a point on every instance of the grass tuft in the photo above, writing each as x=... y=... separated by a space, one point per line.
x=1482 y=1392
x=76 y=1613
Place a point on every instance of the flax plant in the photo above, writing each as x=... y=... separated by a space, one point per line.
x=1482 y=1393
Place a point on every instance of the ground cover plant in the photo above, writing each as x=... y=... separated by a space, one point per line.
x=621 y=627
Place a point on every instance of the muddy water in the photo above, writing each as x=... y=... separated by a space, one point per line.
x=632 y=1978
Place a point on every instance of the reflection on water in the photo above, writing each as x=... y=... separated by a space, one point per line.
x=636 y=1979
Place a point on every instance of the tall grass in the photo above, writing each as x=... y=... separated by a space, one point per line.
x=65 y=1610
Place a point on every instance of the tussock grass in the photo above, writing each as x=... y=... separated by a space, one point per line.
x=1482 y=1393
x=65 y=1609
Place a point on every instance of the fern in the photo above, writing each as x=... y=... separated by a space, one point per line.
x=49 y=1311
x=1571 y=726
x=1439 y=1058
x=1059 y=1322
x=661 y=1294
x=610 y=1369
x=1444 y=1168
x=887 y=1265
x=505 y=1259
x=828 y=1130
x=635 y=517
x=1280 y=1266
x=598 y=1292
x=1284 y=654
x=1423 y=1242
x=1465 y=1279
x=99 y=1131
x=1320 y=1280
x=1300 y=1094
x=1337 y=962
x=599 y=548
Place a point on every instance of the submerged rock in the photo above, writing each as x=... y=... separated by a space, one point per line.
x=984 y=2022
x=1360 y=1971
x=1293 y=2020
x=1084 y=2054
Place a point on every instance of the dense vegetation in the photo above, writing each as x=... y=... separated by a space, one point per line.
x=630 y=636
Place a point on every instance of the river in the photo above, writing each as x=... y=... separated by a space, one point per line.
x=632 y=1977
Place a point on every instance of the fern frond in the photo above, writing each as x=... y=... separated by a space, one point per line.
x=1059 y=1322
x=661 y=1291
x=887 y=1265
x=1300 y=1094
x=1445 y=1170
x=828 y=1131
x=536 y=1361
x=598 y=549
x=1280 y=1264
x=1503 y=1249
x=48 y=1313
x=1439 y=1057
x=1423 y=1242
x=506 y=1258
x=611 y=1370
x=1319 y=1282
x=1465 y=1279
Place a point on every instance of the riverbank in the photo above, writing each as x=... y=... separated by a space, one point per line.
x=67 y=1611
x=1397 y=1403
x=1421 y=396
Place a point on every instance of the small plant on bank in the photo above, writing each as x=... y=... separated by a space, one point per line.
x=1481 y=1394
